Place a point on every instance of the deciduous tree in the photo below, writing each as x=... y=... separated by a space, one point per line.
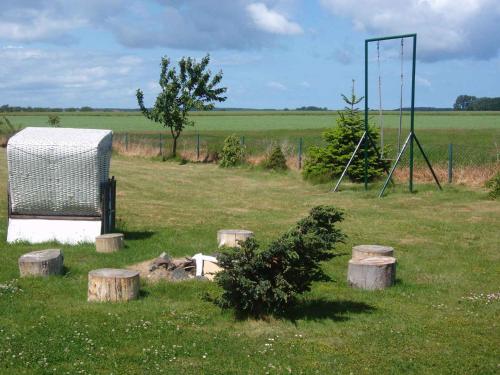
x=191 y=88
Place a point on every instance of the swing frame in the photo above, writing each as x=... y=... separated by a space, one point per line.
x=411 y=139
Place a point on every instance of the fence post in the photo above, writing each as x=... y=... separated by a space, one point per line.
x=197 y=146
x=242 y=140
x=126 y=141
x=161 y=146
x=450 y=163
x=300 y=153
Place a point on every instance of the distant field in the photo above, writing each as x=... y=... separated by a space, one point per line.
x=258 y=120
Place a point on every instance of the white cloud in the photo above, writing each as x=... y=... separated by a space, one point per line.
x=33 y=76
x=272 y=21
x=421 y=81
x=188 y=24
x=305 y=84
x=276 y=85
x=52 y=21
x=446 y=28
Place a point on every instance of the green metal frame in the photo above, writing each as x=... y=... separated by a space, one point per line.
x=410 y=140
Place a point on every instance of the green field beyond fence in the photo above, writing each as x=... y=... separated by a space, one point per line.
x=258 y=120
x=475 y=135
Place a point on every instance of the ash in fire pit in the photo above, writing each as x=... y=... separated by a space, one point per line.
x=176 y=269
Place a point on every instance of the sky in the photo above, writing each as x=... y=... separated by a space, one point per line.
x=273 y=53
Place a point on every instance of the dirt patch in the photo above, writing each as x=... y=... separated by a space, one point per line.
x=167 y=268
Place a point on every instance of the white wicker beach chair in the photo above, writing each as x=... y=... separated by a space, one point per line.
x=56 y=177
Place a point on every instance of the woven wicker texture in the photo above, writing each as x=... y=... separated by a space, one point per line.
x=56 y=171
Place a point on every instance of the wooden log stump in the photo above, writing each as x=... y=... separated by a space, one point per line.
x=232 y=237
x=367 y=251
x=109 y=243
x=113 y=285
x=41 y=263
x=372 y=273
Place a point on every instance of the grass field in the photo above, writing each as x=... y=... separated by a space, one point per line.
x=476 y=135
x=258 y=121
x=437 y=319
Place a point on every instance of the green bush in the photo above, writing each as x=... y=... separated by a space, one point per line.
x=322 y=164
x=275 y=160
x=7 y=130
x=259 y=283
x=494 y=185
x=54 y=121
x=233 y=153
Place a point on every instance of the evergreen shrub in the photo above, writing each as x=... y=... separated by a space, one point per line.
x=260 y=282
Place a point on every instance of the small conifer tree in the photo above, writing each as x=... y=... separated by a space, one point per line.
x=233 y=152
x=325 y=163
x=276 y=160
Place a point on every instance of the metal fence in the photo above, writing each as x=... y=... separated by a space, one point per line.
x=205 y=147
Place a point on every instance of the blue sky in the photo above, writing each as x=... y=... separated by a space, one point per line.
x=274 y=53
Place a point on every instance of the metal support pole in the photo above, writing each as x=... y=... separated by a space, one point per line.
x=365 y=152
x=450 y=163
x=412 y=121
x=197 y=146
x=300 y=153
x=349 y=162
x=403 y=149
x=428 y=162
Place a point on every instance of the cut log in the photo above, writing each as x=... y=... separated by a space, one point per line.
x=113 y=285
x=41 y=263
x=367 y=251
x=109 y=243
x=372 y=273
x=232 y=237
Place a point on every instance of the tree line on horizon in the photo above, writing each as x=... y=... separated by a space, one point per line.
x=462 y=103
x=473 y=103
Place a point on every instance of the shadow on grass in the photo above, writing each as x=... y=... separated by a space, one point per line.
x=143 y=293
x=321 y=309
x=141 y=235
x=65 y=271
x=398 y=281
x=315 y=310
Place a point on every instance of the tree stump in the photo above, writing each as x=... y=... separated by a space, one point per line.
x=109 y=243
x=372 y=273
x=366 y=251
x=41 y=263
x=113 y=285
x=232 y=237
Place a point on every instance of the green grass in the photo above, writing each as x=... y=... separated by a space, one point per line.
x=259 y=120
x=446 y=244
x=473 y=133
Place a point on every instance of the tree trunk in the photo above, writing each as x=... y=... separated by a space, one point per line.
x=113 y=285
x=371 y=273
x=232 y=237
x=174 y=147
x=366 y=251
x=108 y=243
x=41 y=263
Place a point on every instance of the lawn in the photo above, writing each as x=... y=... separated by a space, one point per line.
x=436 y=319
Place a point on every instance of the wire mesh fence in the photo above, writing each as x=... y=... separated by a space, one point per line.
x=446 y=157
